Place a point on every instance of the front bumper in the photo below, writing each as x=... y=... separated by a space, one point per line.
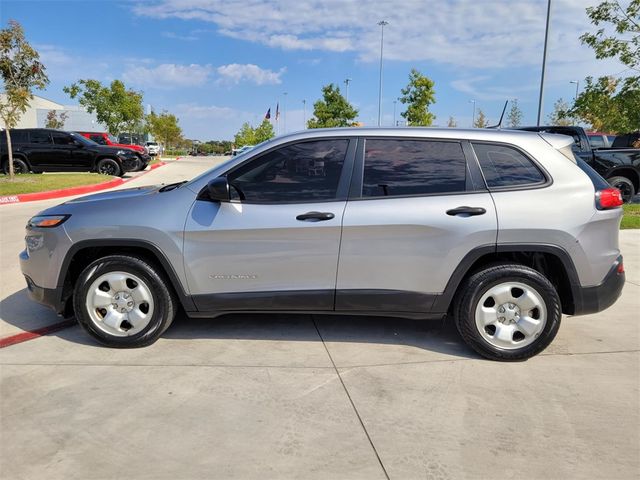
x=49 y=297
x=600 y=297
x=129 y=164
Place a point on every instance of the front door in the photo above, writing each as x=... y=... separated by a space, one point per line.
x=275 y=245
x=415 y=212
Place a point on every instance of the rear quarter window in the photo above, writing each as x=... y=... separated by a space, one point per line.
x=505 y=166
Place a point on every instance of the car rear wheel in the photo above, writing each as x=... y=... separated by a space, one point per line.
x=19 y=166
x=108 y=166
x=123 y=302
x=507 y=312
x=625 y=186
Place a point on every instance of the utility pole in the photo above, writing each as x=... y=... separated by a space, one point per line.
x=284 y=110
x=304 y=113
x=473 y=117
x=394 y=112
x=577 y=82
x=347 y=81
x=382 y=24
x=544 y=61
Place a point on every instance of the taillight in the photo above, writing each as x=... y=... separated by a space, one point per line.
x=608 y=198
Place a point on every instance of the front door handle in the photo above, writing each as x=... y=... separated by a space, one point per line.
x=467 y=211
x=315 y=216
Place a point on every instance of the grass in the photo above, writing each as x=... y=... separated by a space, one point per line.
x=32 y=183
x=631 y=217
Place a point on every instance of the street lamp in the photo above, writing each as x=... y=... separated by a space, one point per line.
x=346 y=88
x=284 y=111
x=394 y=112
x=382 y=23
x=577 y=82
x=304 y=113
x=544 y=61
x=473 y=117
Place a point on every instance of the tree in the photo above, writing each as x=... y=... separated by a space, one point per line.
x=21 y=72
x=115 y=106
x=264 y=132
x=164 y=127
x=418 y=95
x=53 y=121
x=626 y=23
x=609 y=104
x=333 y=110
x=514 y=117
x=560 y=115
x=245 y=136
x=481 y=121
x=452 y=123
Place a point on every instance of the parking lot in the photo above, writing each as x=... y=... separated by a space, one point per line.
x=310 y=396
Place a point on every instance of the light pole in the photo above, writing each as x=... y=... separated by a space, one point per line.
x=544 y=61
x=304 y=113
x=394 y=112
x=577 y=82
x=382 y=23
x=284 y=112
x=347 y=81
x=473 y=117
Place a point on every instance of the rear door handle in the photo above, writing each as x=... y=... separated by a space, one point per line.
x=315 y=216
x=468 y=211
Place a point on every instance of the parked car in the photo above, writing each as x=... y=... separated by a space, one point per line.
x=104 y=138
x=154 y=148
x=503 y=230
x=629 y=140
x=600 y=140
x=40 y=150
x=619 y=166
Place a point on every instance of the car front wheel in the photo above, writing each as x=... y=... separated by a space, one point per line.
x=507 y=312
x=123 y=302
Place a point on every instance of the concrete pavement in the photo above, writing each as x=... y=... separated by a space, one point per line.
x=301 y=396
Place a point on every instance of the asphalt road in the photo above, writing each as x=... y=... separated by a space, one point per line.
x=301 y=396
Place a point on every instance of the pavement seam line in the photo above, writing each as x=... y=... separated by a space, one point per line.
x=353 y=405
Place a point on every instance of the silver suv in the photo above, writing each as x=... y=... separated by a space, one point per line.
x=502 y=230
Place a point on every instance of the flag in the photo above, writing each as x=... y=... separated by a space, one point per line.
x=268 y=114
x=277 y=111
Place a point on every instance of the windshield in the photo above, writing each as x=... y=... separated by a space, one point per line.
x=84 y=140
x=112 y=139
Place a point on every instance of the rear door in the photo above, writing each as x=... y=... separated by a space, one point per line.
x=275 y=245
x=40 y=149
x=416 y=209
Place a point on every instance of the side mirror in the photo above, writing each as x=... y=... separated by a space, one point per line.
x=218 y=190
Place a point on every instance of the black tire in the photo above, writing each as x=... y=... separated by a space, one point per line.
x=19 y=166
x=625 y=186
x=108 y=166
x=164 y=300
x=472 y=290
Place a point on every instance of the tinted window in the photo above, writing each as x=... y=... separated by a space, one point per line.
x=505 y=166
x=98 y=139
x=39 y=136
x=17 y=136
x=596 y=142
x=302 y=172
x=412 y=167
x=598 y=182
x=62 y=139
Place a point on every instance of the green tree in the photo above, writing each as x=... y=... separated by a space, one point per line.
x=264 y=131
x=452 y=123
x=481 y=120
x=245 y=136
x=560 y=115
x=21 y=72
x=609 y=104
x=418 y=95
x=115 y=106
x=53 y=121
x=333 y=110
x=514 y=117
x=164 y=127
x=625 y=43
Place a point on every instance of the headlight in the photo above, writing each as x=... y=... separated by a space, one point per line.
x=47 y=221
x=121 y=152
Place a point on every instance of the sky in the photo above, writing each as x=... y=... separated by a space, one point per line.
x=219 y=63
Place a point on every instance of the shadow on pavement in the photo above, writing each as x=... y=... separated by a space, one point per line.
x=19 y=311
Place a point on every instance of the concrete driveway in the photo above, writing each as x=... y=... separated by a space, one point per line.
x=301 y=396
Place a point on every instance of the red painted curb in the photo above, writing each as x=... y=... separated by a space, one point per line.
x=67 y=192
x=38 y=332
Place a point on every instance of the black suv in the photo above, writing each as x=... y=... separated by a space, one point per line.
x=47 y=150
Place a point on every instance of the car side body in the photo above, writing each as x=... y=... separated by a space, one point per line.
x=366 y=248
x=103 y=138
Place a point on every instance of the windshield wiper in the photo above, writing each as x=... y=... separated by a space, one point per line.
x=172 y=186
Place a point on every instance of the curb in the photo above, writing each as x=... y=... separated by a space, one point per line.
x=67 y=192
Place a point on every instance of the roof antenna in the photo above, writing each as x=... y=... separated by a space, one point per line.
x=499 y=125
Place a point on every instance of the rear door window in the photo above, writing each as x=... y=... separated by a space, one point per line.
x=401 y=167
x=505 y=166
x=40 y=137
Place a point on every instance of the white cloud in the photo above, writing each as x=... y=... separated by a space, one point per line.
x=236 y=73
x=168 y=75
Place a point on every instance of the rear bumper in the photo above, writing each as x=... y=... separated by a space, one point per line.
x=596 y=299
